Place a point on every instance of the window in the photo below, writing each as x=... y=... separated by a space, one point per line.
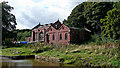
x=50 y=29
x=41 y=36
x=65 y=36
x=49 y=37
x=62 y=27
x=53 y=37
x=60 y=36
x=56 y=26
x=36 y=36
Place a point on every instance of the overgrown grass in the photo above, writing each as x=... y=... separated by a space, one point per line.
x=91 y=55
x=87 y=55
x=26 y=49
x=17 y=51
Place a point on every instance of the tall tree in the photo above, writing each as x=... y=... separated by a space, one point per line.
x=8 y=19
x=76 y=18
x=88 y=14
x=0 y=24
x=94 y=11
x=8 y=22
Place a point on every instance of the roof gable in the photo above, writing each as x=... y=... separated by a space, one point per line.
x=36 y=26
x=57 y=25
x=63 y=27
x=51 y=28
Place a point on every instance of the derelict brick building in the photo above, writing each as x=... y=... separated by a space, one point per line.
x=57 y=33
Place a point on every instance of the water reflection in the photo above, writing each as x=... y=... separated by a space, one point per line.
x=26 y=62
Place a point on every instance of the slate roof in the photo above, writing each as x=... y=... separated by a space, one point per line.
x=36 y=26
x=85 y=29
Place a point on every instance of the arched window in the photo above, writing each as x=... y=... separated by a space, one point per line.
x=41 y=36
x=60 y=36
x=33 y=36
x=36 y=35
x=65 y=36
x=53 y=37
x=49 y=37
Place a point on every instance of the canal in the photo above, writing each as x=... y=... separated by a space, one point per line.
x=7 y=62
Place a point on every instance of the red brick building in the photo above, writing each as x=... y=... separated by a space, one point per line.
x=58 y=33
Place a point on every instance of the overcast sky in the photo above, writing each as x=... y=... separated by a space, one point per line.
x=30 y=12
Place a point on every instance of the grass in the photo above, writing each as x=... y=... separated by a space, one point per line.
x=14 y=51
x=87 y=55
x=91 y=55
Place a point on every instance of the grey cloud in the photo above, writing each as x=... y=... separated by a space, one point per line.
x=28 y=18
x=44 y=15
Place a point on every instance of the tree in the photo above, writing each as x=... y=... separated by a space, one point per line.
x=8 y=22
x=76 y=18
x=94 y=11
x=8 y=19
x=22 y=34
x=88 y=15
x=111 y=24
x=0 y=23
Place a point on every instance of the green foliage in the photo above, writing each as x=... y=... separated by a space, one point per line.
x=111 y=28
x=7 y=43
x=22 y=34
x=8 y=19
x=103 y=55
x=76 y=17
x=87 y=55
x=88 y=14
x=8 y=23
x=96 y=38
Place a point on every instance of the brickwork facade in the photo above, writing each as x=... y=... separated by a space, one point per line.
x=57 y=33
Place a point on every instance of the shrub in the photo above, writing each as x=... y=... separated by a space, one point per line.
x=96 y=38
x=7 y=43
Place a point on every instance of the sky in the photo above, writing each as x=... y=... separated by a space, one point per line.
x=30 y=12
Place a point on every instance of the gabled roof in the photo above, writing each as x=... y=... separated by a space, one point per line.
x=75 y=28
x=57 y=22
x=85 y=29
x=55 y=25
x=58 y=26
x=50 y=27
x=63 y=26
x=36 y=26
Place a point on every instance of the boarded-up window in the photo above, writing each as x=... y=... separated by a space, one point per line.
x=53 y=37
x=66 y=36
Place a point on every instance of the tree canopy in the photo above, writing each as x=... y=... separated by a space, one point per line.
x=88 y=14
x=111 y=24
x=22 y=34
x=8 y=22
x=8 y=19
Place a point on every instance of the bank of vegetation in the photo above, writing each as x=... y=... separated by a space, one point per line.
x=78 y=55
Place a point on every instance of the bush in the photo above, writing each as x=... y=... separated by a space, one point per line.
x=7 y=43
x=96 y=38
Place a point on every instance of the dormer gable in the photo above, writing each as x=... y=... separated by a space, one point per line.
x=51 y=28
x=57 y=24
x=63 y=27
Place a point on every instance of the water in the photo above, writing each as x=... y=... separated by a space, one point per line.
x=31 y=62
x=6 y=62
